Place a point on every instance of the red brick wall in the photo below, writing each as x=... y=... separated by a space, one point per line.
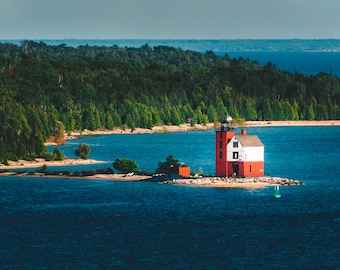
x=221 y=164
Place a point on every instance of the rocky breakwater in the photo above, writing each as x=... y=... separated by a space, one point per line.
x=234 y=181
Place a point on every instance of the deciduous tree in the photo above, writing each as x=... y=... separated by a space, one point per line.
x=82 y=151
x=125 y=165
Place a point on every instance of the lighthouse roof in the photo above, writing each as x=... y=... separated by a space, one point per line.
x=183 y=165
x=249 y=140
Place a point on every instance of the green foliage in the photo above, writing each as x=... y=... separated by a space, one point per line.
x=104 y=171
x=5 y=162
x=47 y=156
x=238 y=122
x=198 y=173
x=212 y=114
x=29 y=157
x=125 y=165
x=57 y=154
x=88 y=172
x=82 y=151
x=52 y=172
x=43 y=169
x=109 y=121
x=47 y=90
x=66 y=172
x=168 y=166
x=144 y=172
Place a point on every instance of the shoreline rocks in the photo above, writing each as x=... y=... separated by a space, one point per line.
x=264 y=180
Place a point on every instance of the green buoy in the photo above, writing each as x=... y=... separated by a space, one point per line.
x=277 y=192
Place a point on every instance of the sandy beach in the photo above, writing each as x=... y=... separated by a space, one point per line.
x=188 y=127
x=39 y=162
x=292 y=123
x=119 y=177
x=155 y=129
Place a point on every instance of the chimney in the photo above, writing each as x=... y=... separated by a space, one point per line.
x=243 y=132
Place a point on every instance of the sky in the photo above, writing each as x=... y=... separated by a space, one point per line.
x=169 y=19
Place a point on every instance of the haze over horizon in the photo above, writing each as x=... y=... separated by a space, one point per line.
x=176 y=19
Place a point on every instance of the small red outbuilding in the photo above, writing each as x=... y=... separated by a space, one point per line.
x=183 y=170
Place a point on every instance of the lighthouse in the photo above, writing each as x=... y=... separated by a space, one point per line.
x=223 y=137
x=238 y=155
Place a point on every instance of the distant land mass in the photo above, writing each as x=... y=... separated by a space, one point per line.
x=308 y=56
x=48 y=90
x=202 y=45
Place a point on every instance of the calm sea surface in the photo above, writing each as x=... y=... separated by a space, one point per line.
x=83 y=224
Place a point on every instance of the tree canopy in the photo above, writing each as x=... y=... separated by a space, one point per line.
x=47 y=90
x=125 y=165
x=169 y=166
x=82 y=151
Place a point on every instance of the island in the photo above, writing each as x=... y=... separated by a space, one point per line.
x=235 y=182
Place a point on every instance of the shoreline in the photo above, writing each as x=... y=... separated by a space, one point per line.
x=155 y=129
x=105 y=177
x=228 y=182
x=296 y=123
x=39 y=162
x=22 y=164
x=198 y=127
x=214 y=182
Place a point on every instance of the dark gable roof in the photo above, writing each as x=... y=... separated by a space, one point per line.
x=183 y=165
x=249 y=140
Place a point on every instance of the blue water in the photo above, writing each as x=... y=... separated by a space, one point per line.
x=83 y=224
x=310 y=63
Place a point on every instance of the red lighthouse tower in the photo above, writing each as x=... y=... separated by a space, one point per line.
x=223 y=137
x=240 y=155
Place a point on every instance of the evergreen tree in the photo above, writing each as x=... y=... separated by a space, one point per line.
x=175 y=116
x=168 y=166
x=221 y=109
x=57 y=154
x=212 y=114
x=94 y=87
x=130 y=123
x=109 y=121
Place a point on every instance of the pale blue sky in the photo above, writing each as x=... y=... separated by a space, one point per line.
x=169 y=19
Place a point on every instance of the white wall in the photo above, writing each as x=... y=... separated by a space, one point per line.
x=245 y=153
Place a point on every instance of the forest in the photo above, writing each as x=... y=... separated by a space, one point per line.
x=47 y=90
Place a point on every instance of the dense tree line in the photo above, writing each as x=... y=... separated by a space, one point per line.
x=45 y=89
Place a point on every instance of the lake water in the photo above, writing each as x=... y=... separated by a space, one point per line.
x=310 y=63
x=83 y=224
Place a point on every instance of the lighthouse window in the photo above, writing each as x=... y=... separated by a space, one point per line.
x=235 y=144
x=221 y=144
x=235 y=155
x=249 y=168
x=221 y=155
x=220 y=135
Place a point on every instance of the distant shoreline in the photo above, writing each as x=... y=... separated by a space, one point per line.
x=302 y=123
x=197 y=127
x=39 y=162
